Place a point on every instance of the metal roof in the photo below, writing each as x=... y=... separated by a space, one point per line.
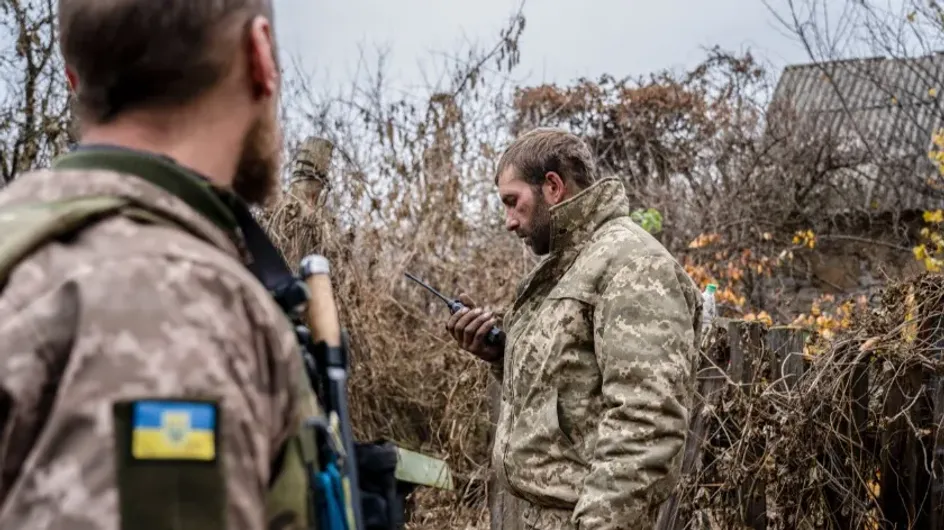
x=890 y=104
x=879 y=114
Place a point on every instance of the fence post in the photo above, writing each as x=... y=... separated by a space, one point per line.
x=785 y=345
x=906 y=481
x=747 y=344
x=310 y=172
x=932 y=334
x=853 y=424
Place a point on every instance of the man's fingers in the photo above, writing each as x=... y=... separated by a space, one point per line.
x=472 y=329
x=470 y=325
x=465 y=326
x=466 y=316
x=466 y=300
x=452 y=322
x=478 y=341
x=458 y=322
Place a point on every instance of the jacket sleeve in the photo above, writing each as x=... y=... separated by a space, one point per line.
x=159 y=338
x=643 y=341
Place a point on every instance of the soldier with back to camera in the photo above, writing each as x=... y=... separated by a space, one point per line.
x=149 y=379
x=597 y=365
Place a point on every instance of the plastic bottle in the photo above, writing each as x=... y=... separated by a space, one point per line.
x=709 y=309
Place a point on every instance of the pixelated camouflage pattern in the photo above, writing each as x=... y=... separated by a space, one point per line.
x=129 y=311
x=535 y=517
x=599 y=368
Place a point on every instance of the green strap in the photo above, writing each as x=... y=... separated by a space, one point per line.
x=287 y=498
x=174 y=179
x=287 y=502
x=26 y=227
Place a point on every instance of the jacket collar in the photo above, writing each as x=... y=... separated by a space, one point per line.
x=573 y=223
x=574 y=220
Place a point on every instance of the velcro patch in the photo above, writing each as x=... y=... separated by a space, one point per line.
x=168 y=460
x=174 y=430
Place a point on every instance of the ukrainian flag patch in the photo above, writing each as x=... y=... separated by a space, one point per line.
x=174 y=430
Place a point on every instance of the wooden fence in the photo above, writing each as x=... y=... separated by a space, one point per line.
x=911 y=491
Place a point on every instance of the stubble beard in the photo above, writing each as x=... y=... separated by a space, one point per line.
x=540 y=237
x=257 y=173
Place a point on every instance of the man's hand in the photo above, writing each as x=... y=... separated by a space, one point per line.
x=469 y=327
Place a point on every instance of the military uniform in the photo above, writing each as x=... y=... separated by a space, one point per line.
x=598 y=372
x=148 y=378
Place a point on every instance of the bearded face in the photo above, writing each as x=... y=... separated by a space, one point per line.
x=539 y=235
x=257 y=174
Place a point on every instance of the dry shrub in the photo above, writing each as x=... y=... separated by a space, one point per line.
x=409 y=382
x=817 y=447
x=410 y=190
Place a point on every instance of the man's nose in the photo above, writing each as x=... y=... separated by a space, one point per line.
x=511 y=224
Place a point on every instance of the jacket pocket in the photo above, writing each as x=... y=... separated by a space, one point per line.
x=536 y=439
x=552 y=416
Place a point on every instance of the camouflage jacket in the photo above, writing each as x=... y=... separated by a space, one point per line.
x=598 y=371
x=131 y=336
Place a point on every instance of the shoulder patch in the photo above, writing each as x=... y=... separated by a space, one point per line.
x=174 y=430
x=167 y=454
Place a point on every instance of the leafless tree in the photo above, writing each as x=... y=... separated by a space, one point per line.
x=35 y=115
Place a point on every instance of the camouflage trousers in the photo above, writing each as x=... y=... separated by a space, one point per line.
x=542 y=518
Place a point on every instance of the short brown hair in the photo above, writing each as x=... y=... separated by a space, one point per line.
x=129 y=54
x=545 y=149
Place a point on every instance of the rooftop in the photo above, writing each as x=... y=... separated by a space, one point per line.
x=890 y=104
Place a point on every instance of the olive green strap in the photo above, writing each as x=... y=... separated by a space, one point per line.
x=287 y=499
x=27 y=227
x=159 y=171
x=288 y=503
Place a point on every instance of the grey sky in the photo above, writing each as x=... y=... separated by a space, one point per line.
x=563 y=40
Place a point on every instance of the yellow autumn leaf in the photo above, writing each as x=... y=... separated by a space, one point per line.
x=765 y=318
x=933 y=265
x=703 y=240
x=934 y=216
x=932 y=92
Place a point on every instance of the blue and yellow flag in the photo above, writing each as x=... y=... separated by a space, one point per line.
x=173 y=430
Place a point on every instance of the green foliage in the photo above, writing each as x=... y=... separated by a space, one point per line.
x=649 y=219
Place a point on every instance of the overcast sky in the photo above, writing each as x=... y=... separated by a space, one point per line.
x=563 y=40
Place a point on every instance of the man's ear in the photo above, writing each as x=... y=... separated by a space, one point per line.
x=72 y=79
x=555 y=189
x=263 y=66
